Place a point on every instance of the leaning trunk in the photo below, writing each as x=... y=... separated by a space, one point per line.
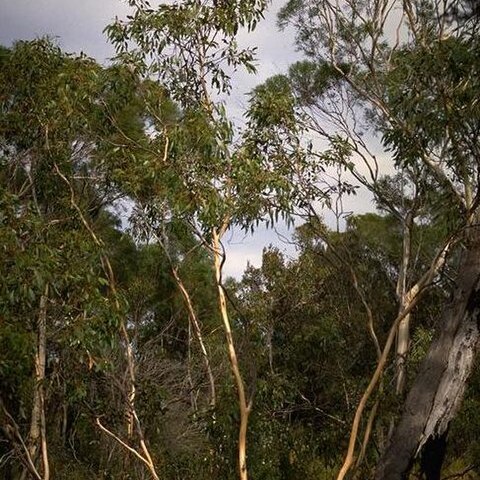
x=439 y=386
x=198 y=333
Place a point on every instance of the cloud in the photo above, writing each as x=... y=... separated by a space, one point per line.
x=245 y=248
x=275 y=53
x=77 y=24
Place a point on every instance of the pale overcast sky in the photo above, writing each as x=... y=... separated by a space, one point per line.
x=78 y=26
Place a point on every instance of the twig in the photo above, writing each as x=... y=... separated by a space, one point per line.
x=120 y=441
x=460 y=474
x=75 y=205
x=26 y=458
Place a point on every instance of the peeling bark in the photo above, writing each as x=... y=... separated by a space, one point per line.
x=438 y=389
x=403 y=333
x=403 y=343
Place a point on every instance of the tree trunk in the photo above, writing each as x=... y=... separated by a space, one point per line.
x=37 y=440
x=403 y=343
x=403 y=333
x=198 y=333
x=245 y=407
x=132 y=417
x=438 y=389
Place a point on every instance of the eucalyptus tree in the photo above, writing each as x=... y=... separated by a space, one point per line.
x=297 y=99
x=309 y=321
x=202 y=171
x=53 y=125
x=410 y=72
x=41 y=140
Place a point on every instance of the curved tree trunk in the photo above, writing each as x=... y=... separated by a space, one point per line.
x=438 y=389
x=244 y=405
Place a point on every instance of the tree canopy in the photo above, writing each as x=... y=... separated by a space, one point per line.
x=126 y=353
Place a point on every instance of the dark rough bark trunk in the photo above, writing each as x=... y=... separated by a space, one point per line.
x=438 y=389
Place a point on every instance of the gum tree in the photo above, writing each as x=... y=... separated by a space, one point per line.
x=45 y=97
x=58 y=297
x=411 y=73
x=202 y=171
